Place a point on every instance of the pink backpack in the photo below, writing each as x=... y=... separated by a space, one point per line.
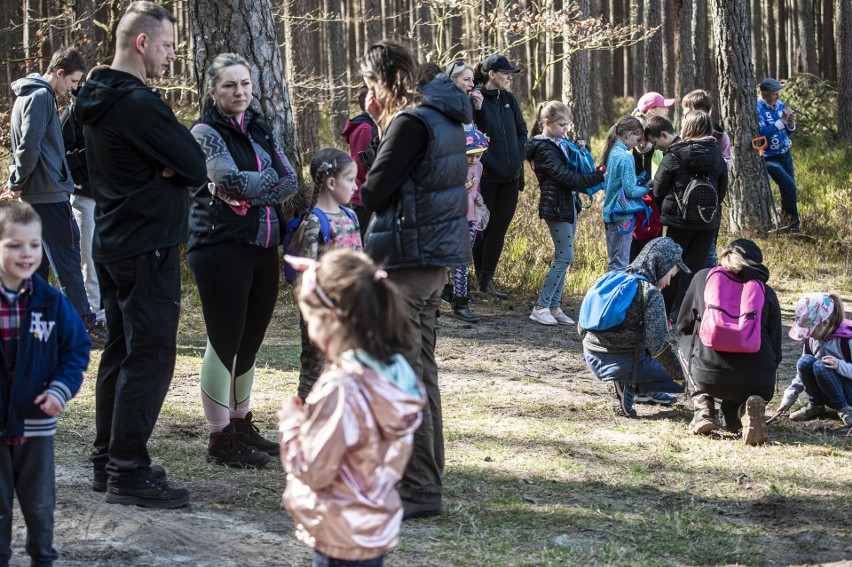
x=732 y=312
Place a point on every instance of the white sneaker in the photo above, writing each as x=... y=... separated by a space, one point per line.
x=543 y=316
x=561 y=317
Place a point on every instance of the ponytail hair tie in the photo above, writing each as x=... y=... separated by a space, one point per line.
x=379 y=275
x=326 y=168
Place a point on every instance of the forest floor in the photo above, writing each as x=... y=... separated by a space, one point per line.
x=539 y=471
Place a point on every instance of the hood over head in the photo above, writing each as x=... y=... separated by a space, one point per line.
x=657 y=258
x=103 y=89
x=753 y=256
x=356 y=122
x=396 y=396
x=32 y=82
x=442 y=94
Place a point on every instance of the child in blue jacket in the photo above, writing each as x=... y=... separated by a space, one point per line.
x=44 y=348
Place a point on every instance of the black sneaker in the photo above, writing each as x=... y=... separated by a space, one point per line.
x=626 y=395
x=247 y=432
x=226 y=448
x=99 y=482
x=147 y=492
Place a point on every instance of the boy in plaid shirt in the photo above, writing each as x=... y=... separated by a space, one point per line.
x=44 y=350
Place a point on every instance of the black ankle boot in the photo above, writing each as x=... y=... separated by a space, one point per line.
x=462 y=310
x=487 y=286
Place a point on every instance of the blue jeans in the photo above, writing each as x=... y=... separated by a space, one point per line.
x=28 y=470
x=824 y=385
x=617 y=246
x=323 y=560
x=562 y=234
x=61 y=239
x=650 y=376
x=780 y=169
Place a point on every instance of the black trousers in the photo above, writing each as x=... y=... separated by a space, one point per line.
x=141 y=297
x=696 y=245
x=502 y=201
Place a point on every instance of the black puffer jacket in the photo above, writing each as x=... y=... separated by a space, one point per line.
x=501 y=119
x=423 y=221
x=556 y=180
x=708 y=366
x=680 y=164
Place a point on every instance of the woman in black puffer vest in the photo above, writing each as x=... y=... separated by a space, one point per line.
x=416 y=191
x=234 y=235
x=697 y=153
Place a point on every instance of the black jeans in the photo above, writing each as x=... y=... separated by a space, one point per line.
x=502 y=201
x=696 y=245
x=141 y=296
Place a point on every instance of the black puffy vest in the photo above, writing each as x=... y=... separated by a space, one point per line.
x=211 y=220
x=426 y=223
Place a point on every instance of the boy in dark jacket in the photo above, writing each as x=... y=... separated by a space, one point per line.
x=44 y=350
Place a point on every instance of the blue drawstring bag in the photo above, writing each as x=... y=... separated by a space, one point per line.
x=607 y=301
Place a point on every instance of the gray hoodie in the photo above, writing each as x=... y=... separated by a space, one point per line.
x=657 y=258
x=38 y=169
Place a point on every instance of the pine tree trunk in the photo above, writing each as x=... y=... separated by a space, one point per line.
x=684 y=53
x=669 y=61
x=772 y=35
x=748 y=188
x=843 y=41
x=575 y=88
x=247 y=27
x=637 y=62
x=807 y=41
x=373 y=15
x=828 y=60
x=335 y=49
x=782 y=41
x=700 y=43
x=617 y=55
x=757 y=39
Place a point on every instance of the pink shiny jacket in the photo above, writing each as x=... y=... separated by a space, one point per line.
x=345 y=452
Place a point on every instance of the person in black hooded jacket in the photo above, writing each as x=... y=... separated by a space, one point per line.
x=416 y=191
x=733 y=377
x=141 y=161
x=558 y=182
x=500 y=118
x=696 y=153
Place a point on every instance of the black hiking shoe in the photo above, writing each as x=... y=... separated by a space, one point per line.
x=447 y=294
x=461 y=310
x=147 y=492
x=246 y=431
x=226 y=449
x=99 y=482
x=97 y=332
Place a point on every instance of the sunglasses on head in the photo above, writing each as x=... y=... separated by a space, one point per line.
x=454 y=64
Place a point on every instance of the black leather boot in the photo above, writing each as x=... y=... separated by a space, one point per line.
x=462 y=311
x=486 y=284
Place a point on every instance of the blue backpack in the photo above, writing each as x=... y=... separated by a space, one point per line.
x=607 y=301
x=580 y=160
x=290 y=274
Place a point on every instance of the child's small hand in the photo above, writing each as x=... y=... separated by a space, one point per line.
x=581 y=143
x=49 y=404
x=830 y=362
x=372 y=105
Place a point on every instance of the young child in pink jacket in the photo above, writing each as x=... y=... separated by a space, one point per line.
x=347 y=446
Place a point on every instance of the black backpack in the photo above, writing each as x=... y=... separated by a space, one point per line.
x=700 y=200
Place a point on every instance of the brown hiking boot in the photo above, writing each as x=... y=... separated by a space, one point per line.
x=754 y=421
x=704 y=418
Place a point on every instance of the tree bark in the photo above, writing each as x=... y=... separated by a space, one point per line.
x=669 y=61
x=757 y=39
x=575 y=88
x=781 y=43
x=637 y=64
x=806 y=39
x=700 y=43
x=336 y=57
x=772 y=35
x=843 y=42
x=748 y=188
x=828 y=55
x=247 y=27
x=684 y=51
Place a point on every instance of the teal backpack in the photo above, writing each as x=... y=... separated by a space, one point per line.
x=580 y=160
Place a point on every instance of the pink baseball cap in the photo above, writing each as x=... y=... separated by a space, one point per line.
x=653 y=100
x=811 y=311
